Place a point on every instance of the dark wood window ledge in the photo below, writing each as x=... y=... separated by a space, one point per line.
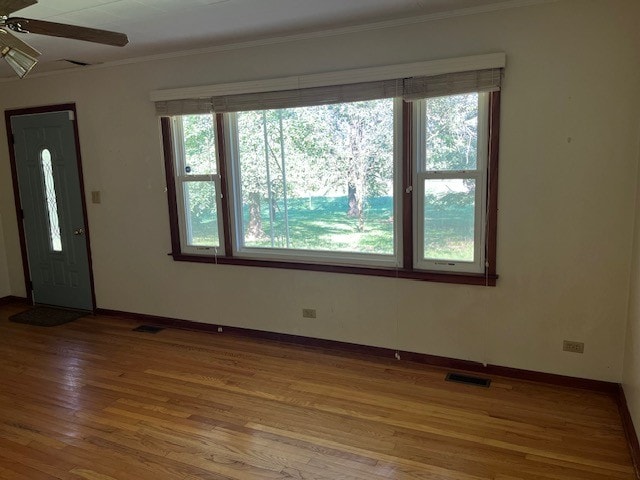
x=459 y=278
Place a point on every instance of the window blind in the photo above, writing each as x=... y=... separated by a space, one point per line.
x=417 y=88
x=305 y=97
x=410 y=89
x=188 y=106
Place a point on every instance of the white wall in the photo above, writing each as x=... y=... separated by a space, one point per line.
x=631 y=370
x=567 y=190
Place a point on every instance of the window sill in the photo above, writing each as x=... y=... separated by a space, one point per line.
x=428 y=276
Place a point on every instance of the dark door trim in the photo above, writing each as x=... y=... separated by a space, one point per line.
x=16 y=193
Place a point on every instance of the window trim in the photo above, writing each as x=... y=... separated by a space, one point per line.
x=407 y=271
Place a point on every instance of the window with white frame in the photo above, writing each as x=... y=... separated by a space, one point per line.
x=317 y=183
x=197 y=183
x=450 y=175
x=370 y=178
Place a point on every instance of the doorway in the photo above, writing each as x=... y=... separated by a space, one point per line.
x=49 y=194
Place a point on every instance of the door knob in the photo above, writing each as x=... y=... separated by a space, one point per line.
x=79 y=231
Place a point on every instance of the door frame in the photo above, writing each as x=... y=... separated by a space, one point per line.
x=16 y=191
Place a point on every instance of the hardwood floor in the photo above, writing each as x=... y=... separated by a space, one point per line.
x=94 y=400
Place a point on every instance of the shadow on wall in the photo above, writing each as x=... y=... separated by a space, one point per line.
x=5 y=288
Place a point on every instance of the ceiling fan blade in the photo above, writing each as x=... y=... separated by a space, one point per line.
x=11 y=41
x=67 y=31
x=10 y=6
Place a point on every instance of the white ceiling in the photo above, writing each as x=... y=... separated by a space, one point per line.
x=163 y=26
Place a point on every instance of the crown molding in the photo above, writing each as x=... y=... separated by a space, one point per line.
x=463 y=12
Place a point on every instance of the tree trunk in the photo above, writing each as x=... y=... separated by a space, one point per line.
x=354 y=210
x=360 y=215
x=254 y=229
x=356 y=204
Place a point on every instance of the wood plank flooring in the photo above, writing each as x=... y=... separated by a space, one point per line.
x=94 y=400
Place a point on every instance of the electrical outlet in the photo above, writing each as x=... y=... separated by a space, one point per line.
x=308 y=313
x=574 y=347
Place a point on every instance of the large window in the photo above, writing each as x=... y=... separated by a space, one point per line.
x=316 y=183
x=392 y=185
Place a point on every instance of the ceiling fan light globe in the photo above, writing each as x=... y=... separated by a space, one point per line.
x=21 y=62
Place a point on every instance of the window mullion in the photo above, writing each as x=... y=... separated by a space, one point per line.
x=408 y=190
x=224 y=191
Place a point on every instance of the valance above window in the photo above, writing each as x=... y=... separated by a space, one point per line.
x=281 y=95
x=305 y=97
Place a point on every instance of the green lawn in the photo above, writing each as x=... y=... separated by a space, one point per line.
x=322 y=223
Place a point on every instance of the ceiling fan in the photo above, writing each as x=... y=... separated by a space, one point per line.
x=21 y=56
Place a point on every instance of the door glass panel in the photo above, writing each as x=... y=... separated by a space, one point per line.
x=51 y=201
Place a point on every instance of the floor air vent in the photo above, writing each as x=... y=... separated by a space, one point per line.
x=148 y=329
x=468 y=380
